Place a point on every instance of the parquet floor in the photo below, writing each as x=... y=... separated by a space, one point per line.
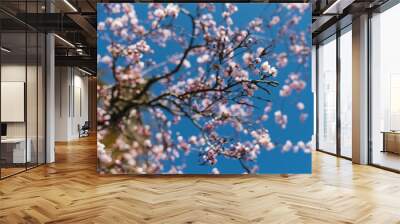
x=10 y=171
x=70 y=191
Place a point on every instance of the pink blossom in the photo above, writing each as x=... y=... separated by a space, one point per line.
x=300 y=106
x=263 y=138
x=101 y=26
x=115 y=8
x=308 y=147
x=159 y=137
x=282 y=60
x=193 y=140
x=298 y=85
x=268 y=107
x=203 y=59
x=215 y=171
x=202 y=141
x=303 y=117
x=261 y=51
x=241 y=36
x=186 y=64
x=301 y=7
x=116 y=24
x=247 y=58
x=142 y=46
x=102 y=154
x=273 y=71
x=107 y=60
x=232 y=8
x=265 y=66
x=211 y=156
x=240 y=75
x=256 y=24
x=160 y=13
x=287 y=146
x=275 y=20
x=268 y=69
x=172 y=10
x=285 y=91
x=281 y=119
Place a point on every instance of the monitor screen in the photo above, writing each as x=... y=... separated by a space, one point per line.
x=3 y=129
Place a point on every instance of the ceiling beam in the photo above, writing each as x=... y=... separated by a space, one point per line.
x=337 y=7
x=81 y=61
x=85 y=25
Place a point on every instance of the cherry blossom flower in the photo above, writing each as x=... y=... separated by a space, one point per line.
x=300 y=106
x=247 y=58
x=107 y=60
x=160 y=13
x=287 y=146
x=265 y=66
x=203 y=59
x=282 y=60
x=285 y=91
x=275 y=20
x=256 y=24
x=301 y=7
x=101 y=26
x=281 y=119
x=303 y=117
x=215 y=171
x=172 y=10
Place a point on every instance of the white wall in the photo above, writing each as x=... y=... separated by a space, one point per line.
x=61 y=103
x=71 y=102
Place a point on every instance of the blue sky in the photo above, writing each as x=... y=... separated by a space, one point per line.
x=273 y=161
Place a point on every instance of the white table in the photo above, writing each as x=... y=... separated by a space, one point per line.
x=18 y=145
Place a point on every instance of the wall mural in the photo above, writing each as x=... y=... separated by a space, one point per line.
x=204 y=88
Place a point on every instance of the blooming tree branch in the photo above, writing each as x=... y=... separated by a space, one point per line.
x=216 y=79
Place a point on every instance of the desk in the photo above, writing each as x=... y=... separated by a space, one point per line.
x=16 y=147
x=391 y=141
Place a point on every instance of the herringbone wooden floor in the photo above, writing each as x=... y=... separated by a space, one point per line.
x=70 y=191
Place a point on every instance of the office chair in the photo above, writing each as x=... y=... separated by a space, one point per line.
x=84 y=130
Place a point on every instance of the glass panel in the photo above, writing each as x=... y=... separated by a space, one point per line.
x=314 y=82
x=22 y=88
x=32 y=87
x=346 y=94
x=41 y=98
x=385 y=84
x=327 y=96
x=13 y=86
x=31 y=99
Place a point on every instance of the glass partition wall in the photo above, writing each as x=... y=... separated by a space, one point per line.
x=327 y=95
x=345 y=92
x=22 y=77
x=385 y=89
x=334 y=94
